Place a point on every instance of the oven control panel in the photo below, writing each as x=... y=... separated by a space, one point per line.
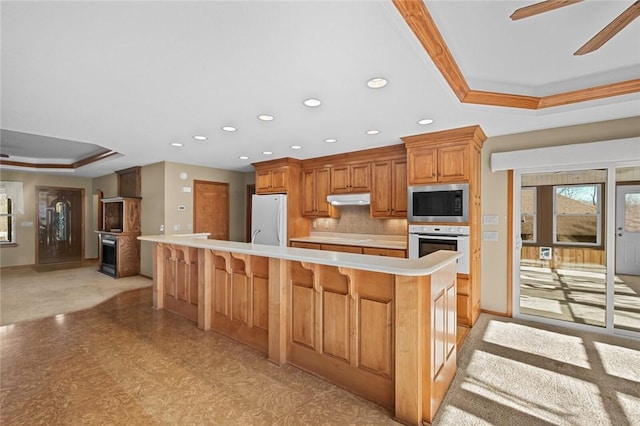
x=438 y=230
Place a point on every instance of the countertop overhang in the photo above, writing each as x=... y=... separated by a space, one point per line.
x=426 y=265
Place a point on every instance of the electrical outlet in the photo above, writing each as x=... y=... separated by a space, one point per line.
x=176 y=227
x=161 y=228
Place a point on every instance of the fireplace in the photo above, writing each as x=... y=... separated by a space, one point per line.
x=109 y=255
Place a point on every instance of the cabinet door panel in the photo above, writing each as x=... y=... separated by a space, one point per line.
x=453 y=163
x=263 y=181
x=279 y=180
x=381 y=184
x=360 y=174
x=322 y=189
x=423 y=165
x=308 y=192
x=339 y=179
x=399 y=188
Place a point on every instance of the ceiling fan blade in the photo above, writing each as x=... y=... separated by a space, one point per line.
x=610 y=30
x=545 y=6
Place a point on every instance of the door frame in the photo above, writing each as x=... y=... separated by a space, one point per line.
x=250 y=190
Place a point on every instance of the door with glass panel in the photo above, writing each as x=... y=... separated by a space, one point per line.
x=627 y=249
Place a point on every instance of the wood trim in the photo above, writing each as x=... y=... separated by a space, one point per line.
x=498 y=314
x=509 y=244
x=443 y=137
x=364 y=155
x=75 y=165
x=419 y=20
x=251 y=189
x=591 y=93
x=501 y=99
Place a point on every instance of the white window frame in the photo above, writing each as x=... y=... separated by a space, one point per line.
x=598 y=215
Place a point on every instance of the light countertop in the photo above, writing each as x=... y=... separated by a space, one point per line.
x=410 y=267
x=362 y=240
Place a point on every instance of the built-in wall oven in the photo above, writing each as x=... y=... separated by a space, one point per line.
x=426 y=239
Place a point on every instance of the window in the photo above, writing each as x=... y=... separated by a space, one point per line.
x=528 y=219
x=577 y=214
x=7 y=220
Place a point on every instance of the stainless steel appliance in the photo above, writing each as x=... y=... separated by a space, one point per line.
x=269 y=219
x=109 y=265
x=426 y=239
x=438 y=203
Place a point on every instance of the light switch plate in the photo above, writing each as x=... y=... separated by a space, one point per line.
x=181 y=207
x=27 y=224
x=186 y=189
x=490 y=236
x=490 y=219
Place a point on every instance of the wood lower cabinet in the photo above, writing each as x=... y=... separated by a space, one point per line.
x=389 y=189
x=376 y=251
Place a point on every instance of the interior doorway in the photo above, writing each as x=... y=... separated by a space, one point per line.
x=60 y=227
x=211 y=209
x=251 y=189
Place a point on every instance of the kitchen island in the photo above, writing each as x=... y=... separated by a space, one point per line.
x=381 y=327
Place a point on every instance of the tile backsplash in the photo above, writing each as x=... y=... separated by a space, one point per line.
x=356 y=220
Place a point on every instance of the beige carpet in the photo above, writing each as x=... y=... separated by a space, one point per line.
x=514 y=372
x=27 y=295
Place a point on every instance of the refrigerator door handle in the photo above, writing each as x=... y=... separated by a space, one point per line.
x=280 y=225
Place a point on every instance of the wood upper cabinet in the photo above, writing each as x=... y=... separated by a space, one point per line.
x=270 y=181
x=428 y=164
x=389 y=184
x=316 y=185
x=350 y=178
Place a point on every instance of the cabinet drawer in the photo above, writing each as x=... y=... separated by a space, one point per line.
x=383 y=252
x=345 y=249
x=299 y=244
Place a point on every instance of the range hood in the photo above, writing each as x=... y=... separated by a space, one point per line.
x=349 y=199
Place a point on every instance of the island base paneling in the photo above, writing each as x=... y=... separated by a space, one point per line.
x=341 y=330
x=389 y=338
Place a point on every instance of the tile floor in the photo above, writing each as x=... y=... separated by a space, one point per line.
x=124 y=363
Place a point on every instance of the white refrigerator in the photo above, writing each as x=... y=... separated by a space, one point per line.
x=269 y=219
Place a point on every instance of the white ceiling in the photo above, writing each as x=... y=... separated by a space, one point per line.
x=135 y=76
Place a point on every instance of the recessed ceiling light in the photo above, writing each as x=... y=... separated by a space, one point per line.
x=372 y=132
x=229 y=128
x=243 y=157
x=377 y=83
x=296 y=147
x=267 y=152
x=265 y=117
x=200 y=138
x=331 y=140
x=312 y=103
x=425 y=121
x=176 y=144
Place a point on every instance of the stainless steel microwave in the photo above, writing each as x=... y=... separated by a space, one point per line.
x=439 y=203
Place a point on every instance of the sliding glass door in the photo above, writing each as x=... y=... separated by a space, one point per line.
x=571 y=267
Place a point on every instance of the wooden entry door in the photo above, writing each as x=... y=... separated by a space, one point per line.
x=211 y=209
x=60 y=225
